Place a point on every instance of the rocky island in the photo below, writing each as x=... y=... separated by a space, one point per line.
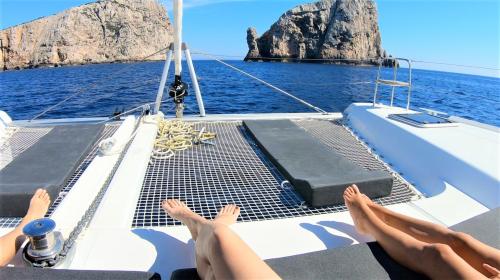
x=328 y=29
x=103 y=31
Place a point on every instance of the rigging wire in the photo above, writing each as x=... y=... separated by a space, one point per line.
x=458 y=65
x=295 y=58
x=146 y=83
x=320 y=59
x=83 y=90
x=216 y=58
x=319 y=110
x=362 y=59
x=137 y=108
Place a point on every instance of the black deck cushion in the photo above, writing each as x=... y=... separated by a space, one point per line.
x=319 y=174
x=485 y=227
x=48 y=164
x=29 y=273
x=364 y=261
x=185 y=274
x=360 y=261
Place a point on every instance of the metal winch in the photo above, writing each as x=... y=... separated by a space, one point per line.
x=178 y=90
x=44 y=245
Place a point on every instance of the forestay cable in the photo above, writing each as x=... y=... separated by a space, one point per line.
x=82 y=90
x=265 y=83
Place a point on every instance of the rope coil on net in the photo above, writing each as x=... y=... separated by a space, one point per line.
x=177 y=135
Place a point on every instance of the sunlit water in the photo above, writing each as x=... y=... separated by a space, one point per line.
x=102 y=89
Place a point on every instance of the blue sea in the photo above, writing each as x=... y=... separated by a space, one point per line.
x=101 y=89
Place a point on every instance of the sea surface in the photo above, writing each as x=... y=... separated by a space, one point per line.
x=101 y=89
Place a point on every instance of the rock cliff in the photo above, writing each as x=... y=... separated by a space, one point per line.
x=103 y=31
x=328 y=29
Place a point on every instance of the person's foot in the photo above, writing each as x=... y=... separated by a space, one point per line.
x=39 y=205
x=378 y=210
x=228 y=215
x=367 y=200
x=179 y=211
x=356 y=204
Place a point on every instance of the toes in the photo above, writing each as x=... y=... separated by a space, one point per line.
x=224 y=210
x=355 y=188
x=38 y=192
x=237 y=211
x=178 y=203
x=171 y=203
x=348 y=191
x=168 y=204
x=164 y=204
x=174 y=203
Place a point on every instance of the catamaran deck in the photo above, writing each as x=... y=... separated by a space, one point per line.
x=22 y=138
x=232 y=170
x=235 y=170
x=128 y=231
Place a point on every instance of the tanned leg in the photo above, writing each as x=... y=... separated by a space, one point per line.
x=220 y=253
x=437 y=261
x=471 y=250
x=194 y=222
x=9 y=243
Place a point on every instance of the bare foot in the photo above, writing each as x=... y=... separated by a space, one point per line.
x=379 y=210
x=356 y=205
x=179 y=211
x=368 y=201
x=39 y=205
x=228 y=215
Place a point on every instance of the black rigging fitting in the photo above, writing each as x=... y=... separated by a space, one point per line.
x=178 y=90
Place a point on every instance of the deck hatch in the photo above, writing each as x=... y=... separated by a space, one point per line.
x=236 y=171
x=19 y=142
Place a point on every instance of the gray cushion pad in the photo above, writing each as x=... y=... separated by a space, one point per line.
x=364 y=261
x=360 y=261
x=48 y=164
x=319 y=174
x=29 y=273
x=484 y=227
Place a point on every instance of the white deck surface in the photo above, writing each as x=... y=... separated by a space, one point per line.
x=164 y=249
x=465 y=156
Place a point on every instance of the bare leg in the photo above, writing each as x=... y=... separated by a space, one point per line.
x=220 y=253
x=437 y=261
x=471 y=250
x=9 y=243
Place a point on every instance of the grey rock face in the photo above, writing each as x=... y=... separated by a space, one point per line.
x=343 y=29
x=104 y=31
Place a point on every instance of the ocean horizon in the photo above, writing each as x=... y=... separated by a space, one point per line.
x=332 y=87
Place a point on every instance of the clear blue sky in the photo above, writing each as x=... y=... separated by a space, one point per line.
x=465 y=32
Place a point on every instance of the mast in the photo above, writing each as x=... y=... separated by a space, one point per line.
x=178 y=36
x=178 y=89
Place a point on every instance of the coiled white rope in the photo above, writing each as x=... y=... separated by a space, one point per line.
x=177 y=135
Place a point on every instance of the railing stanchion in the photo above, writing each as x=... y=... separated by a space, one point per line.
x=164 y=76
x=194 y=80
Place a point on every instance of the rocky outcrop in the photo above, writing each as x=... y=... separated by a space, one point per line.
x=328 y=29
x=104 y=31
